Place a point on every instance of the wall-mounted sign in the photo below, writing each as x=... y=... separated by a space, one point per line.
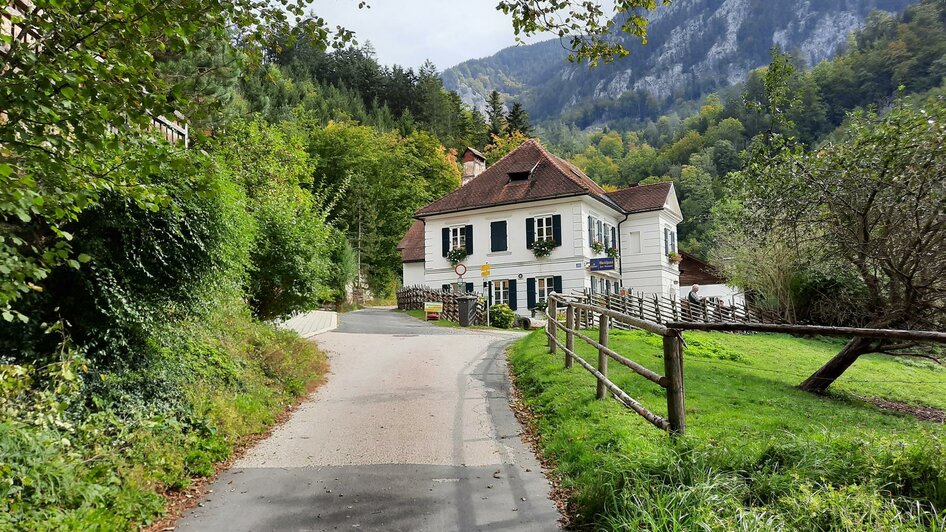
x=460 y=269
x=602 y=264
x=484 y=270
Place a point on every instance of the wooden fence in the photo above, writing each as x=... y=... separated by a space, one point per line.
x=672 y=380
x=659 y=309
x=414 y=297
x=585 y=311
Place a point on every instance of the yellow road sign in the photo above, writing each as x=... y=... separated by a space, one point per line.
x=484 y=270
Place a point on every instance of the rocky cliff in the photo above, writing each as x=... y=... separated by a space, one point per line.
x=695 y=47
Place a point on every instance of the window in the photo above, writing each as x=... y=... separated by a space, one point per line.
x=458 y=237
x=544 y=286
x=607 y=236
x=543 y=228
x=501 y=292
x=601 y=288
x=599 y=235
x=634 y=242
x=670 y=240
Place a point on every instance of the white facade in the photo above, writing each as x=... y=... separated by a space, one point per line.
x=412 y=273
x=641 y=267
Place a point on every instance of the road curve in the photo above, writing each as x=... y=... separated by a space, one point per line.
x=412 y=431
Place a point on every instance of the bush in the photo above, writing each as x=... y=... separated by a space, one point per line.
x=500 y=315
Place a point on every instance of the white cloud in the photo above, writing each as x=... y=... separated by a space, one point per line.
x=407 y=32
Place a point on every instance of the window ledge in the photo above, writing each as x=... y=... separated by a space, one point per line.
x=499 y=253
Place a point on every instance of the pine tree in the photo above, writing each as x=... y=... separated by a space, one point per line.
x=495 y=114
x=518 y=120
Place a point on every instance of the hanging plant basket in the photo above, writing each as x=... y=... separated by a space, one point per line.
x=674 y=257
x=612 y=252
x=456 y=256
x=597 y=246
x=543 y=248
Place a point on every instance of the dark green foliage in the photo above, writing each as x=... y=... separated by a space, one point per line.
x=495 y=114
x=502 y=316
x=343 y=267
x=518 y=120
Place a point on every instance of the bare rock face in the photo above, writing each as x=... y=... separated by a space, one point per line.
x=695 y=47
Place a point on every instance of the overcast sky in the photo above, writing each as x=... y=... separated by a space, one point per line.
x=407 y=32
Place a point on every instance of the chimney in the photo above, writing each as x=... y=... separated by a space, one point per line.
x=474 y=163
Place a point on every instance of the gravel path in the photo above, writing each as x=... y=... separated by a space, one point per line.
x=412 y=431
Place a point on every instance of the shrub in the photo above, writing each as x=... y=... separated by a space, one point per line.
x=500 y=315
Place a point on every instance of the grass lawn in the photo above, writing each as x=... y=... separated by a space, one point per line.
x=758 y=454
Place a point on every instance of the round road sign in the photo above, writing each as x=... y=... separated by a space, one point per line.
x=460 y=269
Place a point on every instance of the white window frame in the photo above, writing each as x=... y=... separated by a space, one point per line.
x=458 y=237
x=607 y=236
x=543 y=287
x=670 y=240
x=543 y=228
x=500 y=291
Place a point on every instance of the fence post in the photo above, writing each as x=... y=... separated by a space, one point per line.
x=552 y=310
x=569 y=335
x=603 y=320
x=673 y=368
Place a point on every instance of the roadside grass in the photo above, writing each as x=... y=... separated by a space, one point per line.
x=759 y=454
x=85 y=452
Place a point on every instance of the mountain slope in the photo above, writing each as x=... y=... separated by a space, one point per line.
x=694 y=47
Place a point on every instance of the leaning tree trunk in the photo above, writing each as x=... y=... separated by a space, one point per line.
x=827 y=374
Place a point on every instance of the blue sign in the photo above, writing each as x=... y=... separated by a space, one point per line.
x=600 y=265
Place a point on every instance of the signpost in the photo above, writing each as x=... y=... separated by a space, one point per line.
x=484 y=273
x=433 y=309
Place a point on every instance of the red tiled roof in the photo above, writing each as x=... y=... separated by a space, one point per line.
x=642 y=198
x=551 y=177
x=696 y=271
x=412 y=245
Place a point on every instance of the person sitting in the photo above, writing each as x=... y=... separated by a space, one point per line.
x=694 y=295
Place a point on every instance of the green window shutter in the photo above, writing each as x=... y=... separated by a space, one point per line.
x=512 y=294
x=469 y=239
x=497 y=236
x=557 y=280
x=469 y=288
x=557 y=229
x=530 y=292
x=530 y=232
x=446 y=241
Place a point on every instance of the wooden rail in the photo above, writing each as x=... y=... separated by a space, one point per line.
x=577 y=313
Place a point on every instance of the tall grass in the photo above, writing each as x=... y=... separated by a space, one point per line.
x=758 y=455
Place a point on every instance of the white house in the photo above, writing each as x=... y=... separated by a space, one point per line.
x=606 y=242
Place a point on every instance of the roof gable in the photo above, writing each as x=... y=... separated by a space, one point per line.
x=644 y=198
x=548 y=177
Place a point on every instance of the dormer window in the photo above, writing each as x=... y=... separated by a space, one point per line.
x=521 y=172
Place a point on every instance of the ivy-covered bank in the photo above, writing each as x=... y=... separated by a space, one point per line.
x=148 y=361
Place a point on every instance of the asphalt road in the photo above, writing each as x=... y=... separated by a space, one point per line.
x=412 y=431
